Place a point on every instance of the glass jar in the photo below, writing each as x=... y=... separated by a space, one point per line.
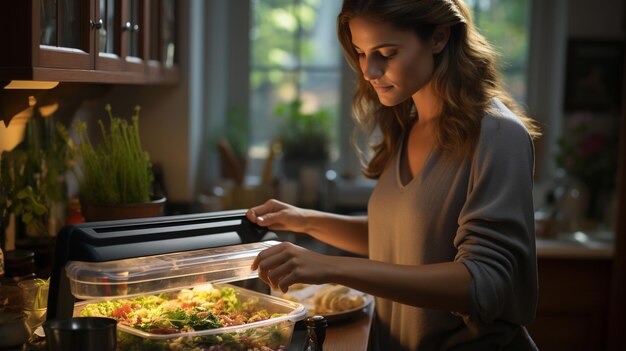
x=19 y=265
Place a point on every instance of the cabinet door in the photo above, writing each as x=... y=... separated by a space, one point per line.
x=108 y=36
x=134 y=17
x=66 y=30
x=152 y=38
x=168 y=33
x=160 y=39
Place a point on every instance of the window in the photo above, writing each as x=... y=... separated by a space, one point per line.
x=295 y=55
x=505 y=24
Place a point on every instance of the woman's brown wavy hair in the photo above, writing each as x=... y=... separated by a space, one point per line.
x=465 y=76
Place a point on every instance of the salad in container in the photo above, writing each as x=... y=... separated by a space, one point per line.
x=183 y=301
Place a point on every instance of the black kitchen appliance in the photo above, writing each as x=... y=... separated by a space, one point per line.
x=124 y=239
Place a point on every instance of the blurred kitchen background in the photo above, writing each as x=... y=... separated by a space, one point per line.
x=243 y=100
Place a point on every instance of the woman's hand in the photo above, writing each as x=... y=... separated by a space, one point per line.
x=285 y=264
x=278 y=215
x=443 y=286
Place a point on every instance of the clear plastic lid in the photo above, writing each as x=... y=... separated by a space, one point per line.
x=141 y=275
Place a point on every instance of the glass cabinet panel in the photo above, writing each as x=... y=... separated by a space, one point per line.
x=48 y=23
x=65 y=34
x=153 y=46
x=69 y=18
x=109 y=31
x=133 y=26
x=168 y=32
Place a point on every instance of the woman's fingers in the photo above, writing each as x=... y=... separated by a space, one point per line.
x=265 y=254
x=251 y=215
x=285 y=264
x=283 y=277
x=268 y=266
x=271 y=219
x=260 y=214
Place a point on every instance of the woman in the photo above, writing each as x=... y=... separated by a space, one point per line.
x=449 y=233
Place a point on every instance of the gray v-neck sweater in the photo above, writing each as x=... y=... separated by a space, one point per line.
x=478 y=212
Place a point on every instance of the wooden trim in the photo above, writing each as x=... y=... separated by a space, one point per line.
x=147 y=29
x=153 y=69
x=109 y=62
x=53 y=57
x=134 y=64
x=617 y=310
x=88 y=41
x=87 y=76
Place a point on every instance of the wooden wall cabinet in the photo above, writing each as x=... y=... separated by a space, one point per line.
x=573 y=304
x=92 y=41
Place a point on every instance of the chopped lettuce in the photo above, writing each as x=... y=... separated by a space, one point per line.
x=101 y=309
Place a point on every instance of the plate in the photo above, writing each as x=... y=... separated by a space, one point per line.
x=338 y=316
x=304 y=294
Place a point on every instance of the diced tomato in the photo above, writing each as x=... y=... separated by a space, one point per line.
x=121 y=312
x=185 y=305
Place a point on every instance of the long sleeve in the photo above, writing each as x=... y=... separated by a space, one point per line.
x=496 y=237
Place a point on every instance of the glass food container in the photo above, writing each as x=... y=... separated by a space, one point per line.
x=182 y=301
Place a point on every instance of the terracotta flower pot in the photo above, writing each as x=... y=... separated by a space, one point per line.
x=106 y=212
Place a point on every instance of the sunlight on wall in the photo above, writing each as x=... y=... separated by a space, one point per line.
x=13 y=134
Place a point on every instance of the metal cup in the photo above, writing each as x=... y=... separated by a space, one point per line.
x=81 y=333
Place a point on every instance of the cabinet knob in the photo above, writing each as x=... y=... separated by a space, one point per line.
x=96 y=25
x=130 y=27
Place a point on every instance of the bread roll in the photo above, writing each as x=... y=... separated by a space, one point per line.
x=334 y=298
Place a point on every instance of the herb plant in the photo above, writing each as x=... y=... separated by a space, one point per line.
x=117 y=170
x=32 y=176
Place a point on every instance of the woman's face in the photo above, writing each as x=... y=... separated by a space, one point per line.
x=397 y=63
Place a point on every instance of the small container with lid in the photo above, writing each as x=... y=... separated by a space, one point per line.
x=19 y=265
x=185 y=279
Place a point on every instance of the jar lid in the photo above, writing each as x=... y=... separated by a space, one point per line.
x=16 y=256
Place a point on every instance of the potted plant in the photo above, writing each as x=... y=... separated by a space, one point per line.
x=305 y=138
x=33 y=184
x=587 y=154
x=115 y=176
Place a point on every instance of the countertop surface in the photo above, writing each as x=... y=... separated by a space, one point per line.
x=346 y=335
x=577 y=245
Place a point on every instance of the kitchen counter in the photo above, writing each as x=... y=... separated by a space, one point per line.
x=577 y=245
x=347 y=335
